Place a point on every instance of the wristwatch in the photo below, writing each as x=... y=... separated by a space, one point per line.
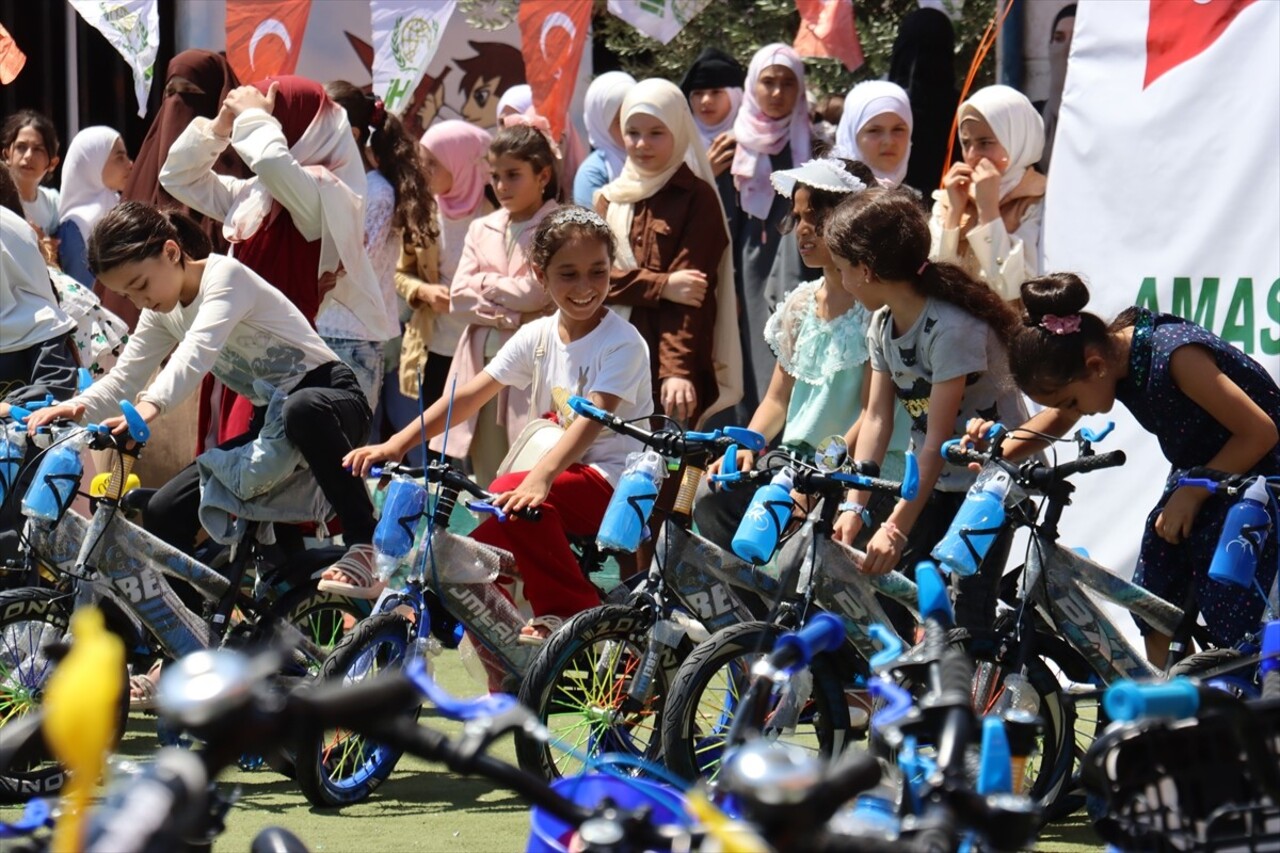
x=854 y=506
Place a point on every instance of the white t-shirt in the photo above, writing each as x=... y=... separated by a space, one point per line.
x=29 y=312
x=43 y=211
x=612 y=359
x=239 y=328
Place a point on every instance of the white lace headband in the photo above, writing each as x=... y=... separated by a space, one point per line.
x=579 y=216
x=825 y=174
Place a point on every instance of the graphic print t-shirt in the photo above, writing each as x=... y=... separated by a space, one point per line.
x=943 y=343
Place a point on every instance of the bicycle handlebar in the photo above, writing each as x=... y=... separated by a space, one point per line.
x=670 y=442
x=439 y=472
x=1035 y=475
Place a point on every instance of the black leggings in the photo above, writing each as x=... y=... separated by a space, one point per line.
x=325 y=416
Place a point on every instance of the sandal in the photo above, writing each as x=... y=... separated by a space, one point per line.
x=358 y=565
x=536 y=631
x=142 y=689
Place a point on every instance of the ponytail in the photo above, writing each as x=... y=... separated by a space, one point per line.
x=135 y=231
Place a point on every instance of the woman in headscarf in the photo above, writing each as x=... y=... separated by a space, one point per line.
x=604 y=116
x=299 y=222
x=987 y=216
x=1064 y=25
x=713 y=85
x=772 y=133
x=923 y=63
x=673 y=268
x=93 y=174
x=875 y=128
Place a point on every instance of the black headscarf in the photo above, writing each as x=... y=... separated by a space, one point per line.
x=923 y=63
x=713 y=69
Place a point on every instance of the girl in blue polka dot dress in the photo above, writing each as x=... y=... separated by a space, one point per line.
x=1208 y=403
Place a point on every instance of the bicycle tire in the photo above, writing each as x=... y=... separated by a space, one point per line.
x=322 y=617
x=1238 y=682
x=336 y=767
x=30 y=619
x=690 y=752
x=580 y=679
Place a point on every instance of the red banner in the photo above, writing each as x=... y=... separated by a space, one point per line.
x=552 y=36
x=264 y=37
x=827 y=31
x=1178 y=31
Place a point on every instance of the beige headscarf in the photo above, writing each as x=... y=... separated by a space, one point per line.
x=663 y=100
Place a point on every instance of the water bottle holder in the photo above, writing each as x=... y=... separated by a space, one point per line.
x=968 y=534
x=62 y=502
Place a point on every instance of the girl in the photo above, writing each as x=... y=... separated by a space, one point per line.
x=673 y=268
x=96 y=170
x=453 y=157
x=298 y=222
x=29 y=145
x=819 y=334
x=397 y=203
x=1208 y=403
x=205 y=313
x=589 y=351
x=772 y=133
x=604 y=132
x=936 y=344
x=713 y=85
x=987 y=216
x=495 y=292
x=875 y=128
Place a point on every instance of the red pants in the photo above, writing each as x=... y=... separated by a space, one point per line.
x=553 y=581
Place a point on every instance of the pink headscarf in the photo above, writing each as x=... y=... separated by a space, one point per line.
x=759 y=137
x=461 y=147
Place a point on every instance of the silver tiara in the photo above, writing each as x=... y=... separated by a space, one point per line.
x=579 y=215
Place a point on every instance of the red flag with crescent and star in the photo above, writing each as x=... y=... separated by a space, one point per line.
x=553 y=34
x=1178 y=30
x=264 y=37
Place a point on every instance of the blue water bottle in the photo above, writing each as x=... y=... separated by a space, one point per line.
x=1235 y=560
x=13 y=446
x=629 y=509
x=401 y=511
x=57 y=479
x=977 y=524
x=767 y=516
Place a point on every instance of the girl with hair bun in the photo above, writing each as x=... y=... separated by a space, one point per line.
x=1208 y=404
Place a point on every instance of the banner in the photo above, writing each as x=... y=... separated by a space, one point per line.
x=133 y=28
x=406 y=36
x=827 y=30
x=553 y=34
x=264 y=37
x=12 y=59
x=658 y=19
x=1163 y=194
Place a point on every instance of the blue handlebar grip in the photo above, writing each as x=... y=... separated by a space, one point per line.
x=83 y=379
x=995 y=770
x=910 y=478
x=587 y=409
x=138 y=429
x=482 y=506
x=1270 y=648
x=947 y=445
x=891 y=643
x=748 y=438
x=1211 y=486
x=19 y=413
x=823 y=633
x=1094 y=437
x=932 y=593
x=1127 y=701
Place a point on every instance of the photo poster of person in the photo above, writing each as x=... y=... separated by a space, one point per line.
x=472 y=69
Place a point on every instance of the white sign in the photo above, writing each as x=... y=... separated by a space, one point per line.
x=406 y=36
x=658 y=19
x=133 y=28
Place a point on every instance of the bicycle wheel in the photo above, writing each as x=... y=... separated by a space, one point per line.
x=31 y=618
x=579 y=685
x=706 y=691
x=337 y=767
x=323 y=618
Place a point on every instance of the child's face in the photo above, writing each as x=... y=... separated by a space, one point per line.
x=118 y=166
x=154 y=283
x=518 y=187
x=883 y=141
x=711 y=106
x=1092 y=394
x=29 y=161
x=858 y=283
x=978 y=142
x=439 y=179
x=813 y=249
x=649 y=143
x=577 y=277
x=776 y=91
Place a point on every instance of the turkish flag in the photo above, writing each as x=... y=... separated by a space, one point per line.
x=552 y=36
x=264 y=37
x=827 y=31
x=1178 y=30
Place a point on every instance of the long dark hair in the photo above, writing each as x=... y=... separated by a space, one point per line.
x=1045 y=355
x=35 y=120
x=528 y=144
x=134 y=231
x=397 y=158
x=886 y=229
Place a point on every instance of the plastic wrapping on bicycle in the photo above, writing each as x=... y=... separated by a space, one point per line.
x=673 y=443
x=447 y=475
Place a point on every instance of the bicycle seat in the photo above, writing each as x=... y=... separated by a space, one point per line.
x=136 y=500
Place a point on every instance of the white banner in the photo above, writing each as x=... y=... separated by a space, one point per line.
x=133 y=28
x=406 y=36
x=1165 y=193
x=658 y=19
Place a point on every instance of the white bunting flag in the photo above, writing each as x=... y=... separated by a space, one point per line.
x=406 y=35
x=658 y=19
x=133 y=28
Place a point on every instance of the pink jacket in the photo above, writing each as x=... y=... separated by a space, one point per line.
x=492 y=291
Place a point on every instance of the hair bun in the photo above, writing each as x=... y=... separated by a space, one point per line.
x=1060 y=294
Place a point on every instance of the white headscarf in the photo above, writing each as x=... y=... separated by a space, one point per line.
x=759 y=137
x=709 y=132
x=603 y=105
x=84 y=197
x=1017 y=126
x=663 y=100
x=864 y=102
x=518 y=98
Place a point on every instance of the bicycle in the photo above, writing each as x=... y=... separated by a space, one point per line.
x=109 y=559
